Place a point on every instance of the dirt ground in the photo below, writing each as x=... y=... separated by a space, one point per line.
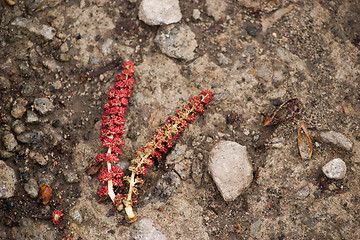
x=258 y=55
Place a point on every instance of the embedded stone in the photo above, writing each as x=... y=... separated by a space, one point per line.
x=43 y=105
x=337 y=139
x=230 y=169
x=7 y=181
x=160 y=12
x=335 y=169
x=177 y=41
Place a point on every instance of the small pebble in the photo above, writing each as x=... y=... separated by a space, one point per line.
x=38 y=158
x=9 y=141
x=303 y=193
x=32 y=188
x=76 y=216
x=7 y=180
x=31 y=117
x=196 y=14
x=19 y=107
x=5 y=154
x=18 y=127
x=335 y=169
x=43 y=105
x=30 y=137
x=64 y=57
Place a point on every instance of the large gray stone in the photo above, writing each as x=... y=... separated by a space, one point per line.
x=230 y=168
x=160 y=12
x=7 y=180
x=177 y=41
x=337 y=139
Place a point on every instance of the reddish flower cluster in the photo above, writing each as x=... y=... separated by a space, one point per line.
x=112 y=128
x=162 y=141
x=57 y=216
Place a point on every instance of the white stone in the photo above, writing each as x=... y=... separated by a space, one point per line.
x=335 y=169
x=160 y=12
x=230 y=168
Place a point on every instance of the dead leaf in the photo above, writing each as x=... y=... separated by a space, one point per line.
x=45 y=194
x=285 y=111
x=304 y=142
x=93 y=168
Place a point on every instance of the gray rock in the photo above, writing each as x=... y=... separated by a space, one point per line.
x=7 y=180
x=9 y=141
x=19 y=127
x=145 y=229
x=177 y=41
x=176 y=154
x=230 y=168
x=5 y=154
x=19 y=107
x=183 y=168
x=303 y=193
x=51 y=65
x=31 y=117
x=216 y=8
x=160 y=12
x=38 y=158
x=252 y=30
x=38 y=29
x=76 y=216
x=30 y=137
x=27 y=89
x=337 y=139
x=335 y=169
x=32 y=188
x=43 y=105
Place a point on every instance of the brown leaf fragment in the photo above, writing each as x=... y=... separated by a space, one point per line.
x=45 y=194
x=93 y=168
x=304 y=141
x=285 y=111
